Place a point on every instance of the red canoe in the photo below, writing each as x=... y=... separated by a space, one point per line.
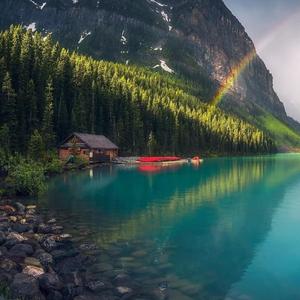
x=153 y=159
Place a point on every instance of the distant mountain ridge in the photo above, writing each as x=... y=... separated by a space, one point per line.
x=198 y=40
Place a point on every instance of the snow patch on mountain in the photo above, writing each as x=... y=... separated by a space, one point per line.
x=123 y=38
x=83 y=36
x=158 y=3
x=164 y=66
x=37 y=5
x=31 y=27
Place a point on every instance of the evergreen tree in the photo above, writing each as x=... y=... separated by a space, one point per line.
x=36 y=146
x=47 y=124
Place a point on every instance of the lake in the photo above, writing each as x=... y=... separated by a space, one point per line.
x=228 y=229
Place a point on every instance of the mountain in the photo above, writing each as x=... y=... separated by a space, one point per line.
x=197 y=40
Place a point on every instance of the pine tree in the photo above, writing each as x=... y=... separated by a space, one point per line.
x=9 y=116
x=47 y=124
x=36 y=146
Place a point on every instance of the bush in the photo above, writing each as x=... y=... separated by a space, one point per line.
x=26 y=178
x=54 y=166
x=80 y=162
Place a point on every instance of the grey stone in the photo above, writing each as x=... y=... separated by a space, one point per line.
x=26 y=287
x=49 y=281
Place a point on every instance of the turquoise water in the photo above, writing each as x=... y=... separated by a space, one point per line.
x=228 y=229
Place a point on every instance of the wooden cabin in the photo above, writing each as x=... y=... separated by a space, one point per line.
x=95 y=148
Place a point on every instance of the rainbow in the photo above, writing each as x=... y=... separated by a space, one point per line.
x=236 y=71
x=231 y=78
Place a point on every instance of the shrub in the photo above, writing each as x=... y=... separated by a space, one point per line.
x=26 y=178
x=80 y=161
x=54 y=166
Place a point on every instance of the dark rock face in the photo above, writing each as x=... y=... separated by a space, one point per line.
x=199 y=39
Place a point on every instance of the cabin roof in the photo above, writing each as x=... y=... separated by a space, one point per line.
x=93 y=141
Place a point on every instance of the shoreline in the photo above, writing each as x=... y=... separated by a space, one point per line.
x=38 y=260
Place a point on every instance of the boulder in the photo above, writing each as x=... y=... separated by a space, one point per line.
x=45 y=258
x=20 y=207
x=8 y=265
x=19 y=248
x=55 y=295
x=32 y=261
x=49 y=243
x=16 y=236
x=26 y=287
x=2 y=238
x=7 y=208
x=50 y=281
x=122 y=290
x=33 y=271
x=20 y=228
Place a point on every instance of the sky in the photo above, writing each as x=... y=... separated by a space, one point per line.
x=274 y=26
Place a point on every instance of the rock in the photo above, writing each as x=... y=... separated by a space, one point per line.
x=103 y=267
x=69 y=265
x=7 y=208
x=49 y=281
x=2 y=238
x=97 y=286
x=3 y=219
x=30 y=207
x=13 y=219
x=16 y=236
x=26 y=287
x=54 y=295
x=20 y=207
x=33 y=271
x=70 y=291
x=49 y=243
x=20 y=228
x=122 y=279
x=87 y=247
x=8 y=265
x=45 y=258
x=31 y=261
x=51 y=221
x=89 y=297
x=45 y=229
x=123 y=290
x=62 y=254
x=57 y=229
x=15 y=250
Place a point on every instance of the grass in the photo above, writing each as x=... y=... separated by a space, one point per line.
x=284 y=136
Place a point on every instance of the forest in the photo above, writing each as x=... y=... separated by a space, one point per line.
x=47 y=92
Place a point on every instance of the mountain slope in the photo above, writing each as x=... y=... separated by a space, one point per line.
x=198 y=40
x=47 y=88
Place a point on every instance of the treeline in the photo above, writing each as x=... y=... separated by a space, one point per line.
x=48 y=92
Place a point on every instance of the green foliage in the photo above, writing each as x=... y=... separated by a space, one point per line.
x=36 y=146
x=53 y=165
x=26 y=178
x=80 y=162
x=70 y=92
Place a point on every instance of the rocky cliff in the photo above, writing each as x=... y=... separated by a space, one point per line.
x=199 y=40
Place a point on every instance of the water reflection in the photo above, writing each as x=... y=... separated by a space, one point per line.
x=197 y=228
